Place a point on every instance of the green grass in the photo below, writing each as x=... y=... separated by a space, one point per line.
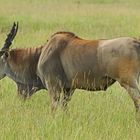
x=106 y=115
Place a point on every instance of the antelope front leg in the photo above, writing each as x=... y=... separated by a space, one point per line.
x=66 y=98
x=55 y=98
x=54 y=93
x=21 y=91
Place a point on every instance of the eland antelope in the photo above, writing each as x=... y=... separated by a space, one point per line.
x=20 y=65
x=68 y=62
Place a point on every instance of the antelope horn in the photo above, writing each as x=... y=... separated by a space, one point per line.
x=10 y=37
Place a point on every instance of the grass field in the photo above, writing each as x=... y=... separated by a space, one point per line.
x=106 y=115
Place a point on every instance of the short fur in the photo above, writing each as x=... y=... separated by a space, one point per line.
x=21 y=66
x=68 y=62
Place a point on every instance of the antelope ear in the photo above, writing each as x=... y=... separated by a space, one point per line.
x=1 y=52
x=4 y=56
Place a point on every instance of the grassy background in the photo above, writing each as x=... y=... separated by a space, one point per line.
x=106 y=115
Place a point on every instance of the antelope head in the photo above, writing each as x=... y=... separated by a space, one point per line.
x=4 y=52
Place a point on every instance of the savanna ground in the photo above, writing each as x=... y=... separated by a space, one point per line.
x=106 y=115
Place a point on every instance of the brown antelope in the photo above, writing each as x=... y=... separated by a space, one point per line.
x=68 y=62
x=20 y=65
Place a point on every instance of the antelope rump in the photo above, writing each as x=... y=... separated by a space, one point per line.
x=68 y=62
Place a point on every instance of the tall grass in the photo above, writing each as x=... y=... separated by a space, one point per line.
x=108 y=115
